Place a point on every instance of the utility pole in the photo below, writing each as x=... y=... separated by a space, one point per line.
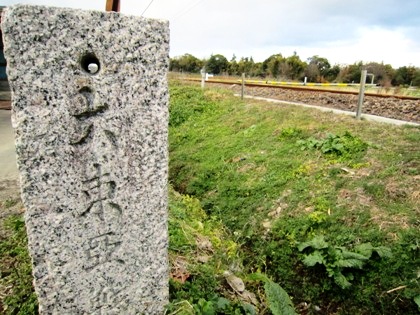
x=112 y=5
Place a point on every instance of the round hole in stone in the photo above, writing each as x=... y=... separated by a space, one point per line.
x=90 y=63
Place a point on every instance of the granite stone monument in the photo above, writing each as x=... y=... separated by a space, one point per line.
x=90 y=113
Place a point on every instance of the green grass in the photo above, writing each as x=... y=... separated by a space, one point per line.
x=278 y=176
x=17 y=295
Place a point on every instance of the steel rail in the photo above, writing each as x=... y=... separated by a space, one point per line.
x=304 y=88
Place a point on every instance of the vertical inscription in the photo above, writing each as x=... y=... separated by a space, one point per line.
x=98 y=188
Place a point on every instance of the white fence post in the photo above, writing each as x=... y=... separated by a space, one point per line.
x=203 y=76
x=243 y=86
x=361 y=94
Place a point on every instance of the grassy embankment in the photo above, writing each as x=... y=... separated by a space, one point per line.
x=322 y=205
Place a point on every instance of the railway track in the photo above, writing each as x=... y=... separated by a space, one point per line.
x=298 y=87
x=401 y=108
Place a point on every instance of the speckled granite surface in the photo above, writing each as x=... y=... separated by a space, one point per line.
x=89 y=108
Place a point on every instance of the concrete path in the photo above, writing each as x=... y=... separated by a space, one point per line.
x=8 y=168
x=337 y=111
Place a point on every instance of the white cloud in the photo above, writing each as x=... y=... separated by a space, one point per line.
x=371 y=44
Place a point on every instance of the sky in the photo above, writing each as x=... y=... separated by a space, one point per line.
x=344 y=32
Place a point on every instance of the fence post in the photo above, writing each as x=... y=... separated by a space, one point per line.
x=203 y=76
x=361 y=94
x=243 y=86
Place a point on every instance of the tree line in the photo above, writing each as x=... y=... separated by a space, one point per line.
x=316 y=69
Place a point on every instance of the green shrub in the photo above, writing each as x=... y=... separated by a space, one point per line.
x=278 y=300
x=345 y=147
x=338 y=259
